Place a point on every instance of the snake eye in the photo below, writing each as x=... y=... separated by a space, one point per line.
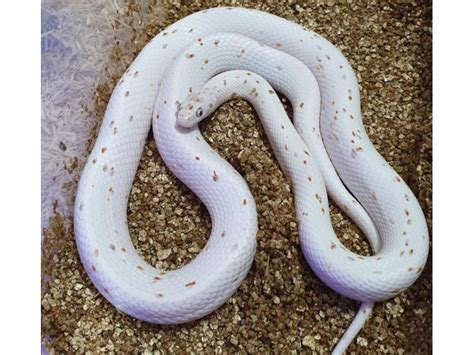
x=199 y=112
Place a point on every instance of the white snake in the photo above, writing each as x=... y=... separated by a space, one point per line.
x=172 y=81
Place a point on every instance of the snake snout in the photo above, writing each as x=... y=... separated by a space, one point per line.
x=185 y=116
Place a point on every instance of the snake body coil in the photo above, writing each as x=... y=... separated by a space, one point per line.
x=328 y=145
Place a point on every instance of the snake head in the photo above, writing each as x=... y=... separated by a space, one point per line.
x=195 y=108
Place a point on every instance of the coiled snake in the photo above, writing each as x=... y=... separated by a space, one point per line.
x=173 y=84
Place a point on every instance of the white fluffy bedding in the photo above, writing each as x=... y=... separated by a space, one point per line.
x=76 y=42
